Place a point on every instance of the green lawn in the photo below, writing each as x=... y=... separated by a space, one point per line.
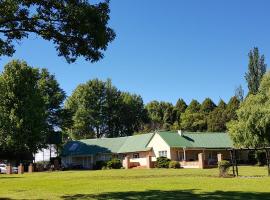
x=137 y=184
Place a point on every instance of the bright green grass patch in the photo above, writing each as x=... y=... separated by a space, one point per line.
x=137 y=184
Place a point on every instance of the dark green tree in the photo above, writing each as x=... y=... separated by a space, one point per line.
x=256 y=70
x=99 y=109
x=207 y=106
x=133 y=114
x=217 y=119
x=22 y=109
x=53 y=97
x=155 y=115
x=192 y=119
x=180 y=108
x=231 y=108
x=77 y=28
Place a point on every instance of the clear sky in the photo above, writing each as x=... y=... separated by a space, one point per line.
x=168 y=49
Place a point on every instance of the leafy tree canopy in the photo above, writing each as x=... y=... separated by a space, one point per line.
x=252 y=127
x=207 y=106
x=256 y=70
x=22 y=109
x=77 y=28
x=99 y=109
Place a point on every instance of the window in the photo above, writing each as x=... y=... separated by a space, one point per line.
x=162 y=153
x=136 y=155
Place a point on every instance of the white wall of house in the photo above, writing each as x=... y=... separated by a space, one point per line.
x=159 y=146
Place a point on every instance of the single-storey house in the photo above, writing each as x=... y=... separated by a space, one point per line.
x=192 y=150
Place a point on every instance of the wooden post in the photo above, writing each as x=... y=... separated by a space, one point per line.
x=235 y=161
x=267 y=160
x=231 y=153
x=9 y=169
x=21 y=169
x=30 y=168
x=148 y=162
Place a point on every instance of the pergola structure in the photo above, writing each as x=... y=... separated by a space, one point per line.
x=234 y=152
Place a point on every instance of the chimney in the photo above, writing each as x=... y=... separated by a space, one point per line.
x=180 y=132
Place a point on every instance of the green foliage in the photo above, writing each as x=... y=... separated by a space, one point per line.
x=114 y=164
x=174 y=164
x=216 y=121
x=260 y=157
x=224 y=167
x=22 y=109
x=207 y=106
x=77 y=28
x=251 y=129
x=256 y=70
x=99 y=109
x=161 y=115
x=192 y=119
x=53 y=97
x=162 y=162
x=100 y=164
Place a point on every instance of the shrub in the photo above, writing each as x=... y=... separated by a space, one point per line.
x=42 y=166
x=224 y=167
x=162 y=162
x=261 y=158
x=100 y=165
x=114 y=164
x=174 y=165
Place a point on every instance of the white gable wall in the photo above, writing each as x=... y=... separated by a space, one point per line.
x=158 y=144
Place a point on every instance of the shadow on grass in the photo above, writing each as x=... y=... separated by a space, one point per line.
x=170 y=195
x=9 y=177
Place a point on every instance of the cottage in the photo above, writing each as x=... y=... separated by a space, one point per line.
x=192 y=150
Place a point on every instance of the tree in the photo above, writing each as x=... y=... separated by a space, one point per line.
x=252 y=126
x=192 y=119
x=155 y=115
x=77 y=28
x=231 y=108
x=99 y=109
x=216 y=121
x=133 y=114
x=207 y=106
x=53 y=97
x=179 y=108
x=239 y=93
x=256 y=70
x=22 y=109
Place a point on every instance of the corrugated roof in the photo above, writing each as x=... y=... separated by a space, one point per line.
x=197 y=139
x=136 y=143
x=108 y=145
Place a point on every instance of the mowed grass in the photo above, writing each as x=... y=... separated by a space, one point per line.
x=137 y=184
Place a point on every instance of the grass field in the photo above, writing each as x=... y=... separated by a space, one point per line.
x=137 y=184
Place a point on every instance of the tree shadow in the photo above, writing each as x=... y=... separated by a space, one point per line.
x=9 y=177
x=171 y=195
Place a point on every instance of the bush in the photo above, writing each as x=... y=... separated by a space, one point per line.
x=174 y=165
x=114 y=164
x=42 y=166
x=261 y=158
x=162 y=162
x=100 y=164
x=224 y=167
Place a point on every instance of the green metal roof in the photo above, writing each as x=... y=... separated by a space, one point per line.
x=136 y=143
x=108 y=145
x=197 y=139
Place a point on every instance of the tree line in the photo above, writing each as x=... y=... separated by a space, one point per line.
x=34 y=109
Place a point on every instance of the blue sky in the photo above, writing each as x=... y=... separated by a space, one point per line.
x=167 y=49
